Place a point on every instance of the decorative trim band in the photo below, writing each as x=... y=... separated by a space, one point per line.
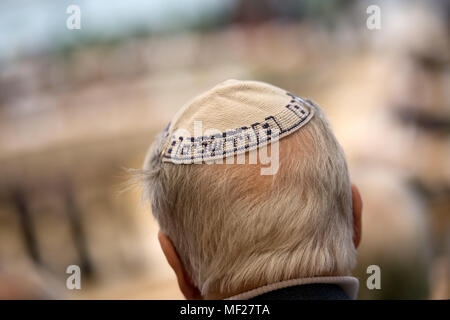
x=183 y=149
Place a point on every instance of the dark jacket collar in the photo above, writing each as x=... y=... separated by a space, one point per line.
x=314 y=291
x=328 y=286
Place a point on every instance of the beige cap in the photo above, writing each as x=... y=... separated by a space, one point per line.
x=232 y=118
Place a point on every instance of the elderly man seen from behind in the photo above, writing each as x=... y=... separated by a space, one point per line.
x=252 y=195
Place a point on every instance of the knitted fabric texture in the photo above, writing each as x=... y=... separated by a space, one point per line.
x=232 y=118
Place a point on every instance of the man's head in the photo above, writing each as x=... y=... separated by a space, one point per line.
x=227 y=228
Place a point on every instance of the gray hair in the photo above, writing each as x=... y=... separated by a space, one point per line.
x=233 y=227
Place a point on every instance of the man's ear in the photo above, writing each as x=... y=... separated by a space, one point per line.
x=184 y=280
x=357 y=211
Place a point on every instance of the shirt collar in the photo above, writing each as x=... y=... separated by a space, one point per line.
x=350 y=285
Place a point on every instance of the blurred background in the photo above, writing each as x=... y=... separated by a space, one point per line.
x=77 y=106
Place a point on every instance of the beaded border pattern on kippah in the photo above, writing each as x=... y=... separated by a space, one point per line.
x=188 y=149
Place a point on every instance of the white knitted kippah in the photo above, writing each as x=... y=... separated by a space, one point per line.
x=232 y=118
